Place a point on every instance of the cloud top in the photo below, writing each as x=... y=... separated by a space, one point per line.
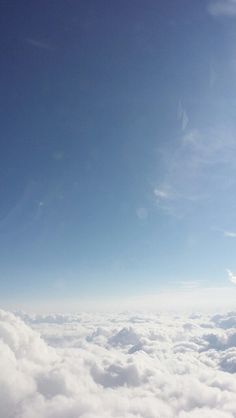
x=118 y=365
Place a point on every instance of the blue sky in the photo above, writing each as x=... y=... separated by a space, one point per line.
x=118 y=147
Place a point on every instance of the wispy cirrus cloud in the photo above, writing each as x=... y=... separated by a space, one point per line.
x=226 y=233
x=230 y=234
x=232 y=276
x=163 y=193
x=197 y=167
x=39 y=44
x=222 y=8
x=182 y=116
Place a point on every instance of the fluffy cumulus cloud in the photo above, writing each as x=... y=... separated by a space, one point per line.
x=117 y=365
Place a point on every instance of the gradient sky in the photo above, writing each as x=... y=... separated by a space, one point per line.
x=118 y=146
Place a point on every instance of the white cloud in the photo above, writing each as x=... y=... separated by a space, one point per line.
x=230 y=234
x=232 y=276
x=222 y=8
x=118 y=365
x=162 y=193
x=226 y=233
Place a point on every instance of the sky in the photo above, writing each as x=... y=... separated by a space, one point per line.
x=118 y=148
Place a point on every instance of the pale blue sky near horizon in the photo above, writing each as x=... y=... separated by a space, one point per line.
x=118 y=146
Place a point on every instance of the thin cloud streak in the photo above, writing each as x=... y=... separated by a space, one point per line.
x=230 y=234
x=39 y=44
x=225 y=233
x=182 y=116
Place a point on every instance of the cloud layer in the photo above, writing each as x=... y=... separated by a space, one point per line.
x=117 y=365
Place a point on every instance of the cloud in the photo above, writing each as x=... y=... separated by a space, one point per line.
x=162 y=193
x=197 y=172
x=39 y=44
x=109 y=365
x=230 y=234
x=225 y=321
x=222 y=8
x=226 y=233
x=232 y=276
x=182 y=116
x=125 y=336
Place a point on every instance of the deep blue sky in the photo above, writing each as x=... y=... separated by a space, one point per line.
x=118 y=147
